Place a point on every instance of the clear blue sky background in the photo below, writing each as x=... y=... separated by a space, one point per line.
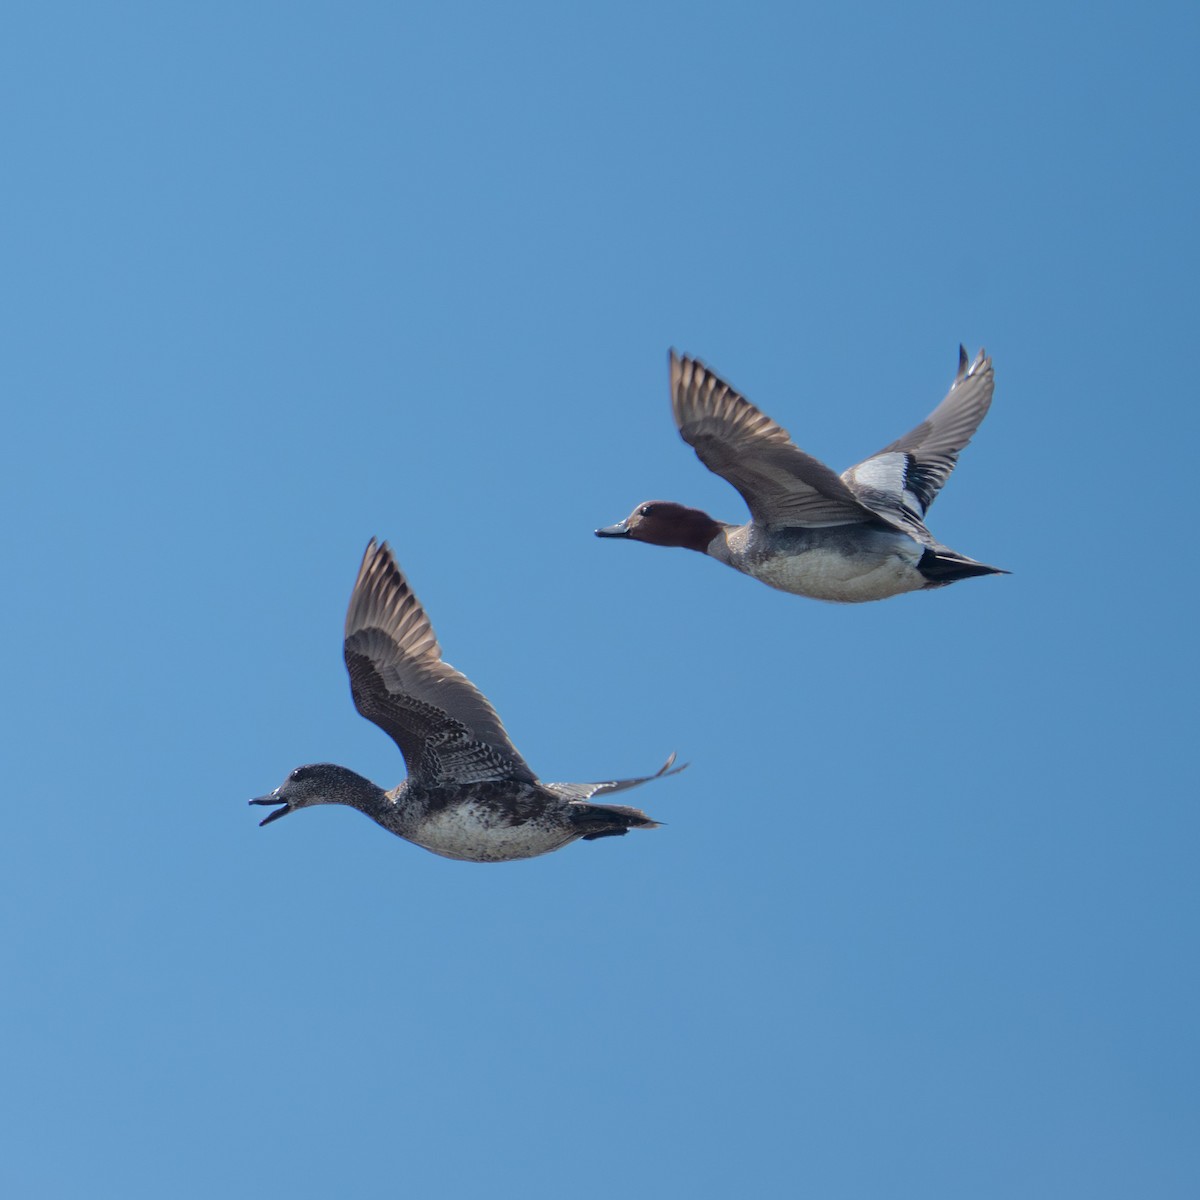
x=277 y=278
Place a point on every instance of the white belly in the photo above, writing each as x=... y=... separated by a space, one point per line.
x=464 y=833
x=826 y=575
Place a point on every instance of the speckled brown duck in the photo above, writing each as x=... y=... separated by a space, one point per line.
x=469 y=794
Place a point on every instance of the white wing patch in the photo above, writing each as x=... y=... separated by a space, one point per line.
x=887 y=473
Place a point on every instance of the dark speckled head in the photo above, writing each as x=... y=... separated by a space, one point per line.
x=320 y=783
x=665 y=523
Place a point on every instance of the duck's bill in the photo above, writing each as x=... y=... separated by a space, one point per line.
x=620 y=529
x=279 y=812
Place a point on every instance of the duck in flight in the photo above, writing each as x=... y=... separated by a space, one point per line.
x=469 y=794
x=856 y=536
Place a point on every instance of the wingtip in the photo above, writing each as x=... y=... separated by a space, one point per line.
x=968 y=366
x=375 y=553
x=675 y=368
x=666 y=768
x=379 y=582
x=374 y=547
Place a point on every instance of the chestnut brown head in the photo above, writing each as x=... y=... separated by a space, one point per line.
x=665 y=523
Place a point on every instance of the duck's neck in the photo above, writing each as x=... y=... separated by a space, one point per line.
x=695 y=530
x=355 y=791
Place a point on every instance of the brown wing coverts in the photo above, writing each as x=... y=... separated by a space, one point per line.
x=780 y=483
x=444 y=726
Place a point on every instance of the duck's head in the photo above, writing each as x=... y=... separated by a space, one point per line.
x=665 y=523
x=318 y=783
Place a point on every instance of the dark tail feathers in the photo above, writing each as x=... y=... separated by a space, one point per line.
x=944 y=566
x=610 y=820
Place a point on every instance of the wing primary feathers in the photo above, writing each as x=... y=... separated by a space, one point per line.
x=445 y=727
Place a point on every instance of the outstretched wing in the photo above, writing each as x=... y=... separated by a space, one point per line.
x=902 y=480
x=577 y=793
x=781 y=484
x=444 y=726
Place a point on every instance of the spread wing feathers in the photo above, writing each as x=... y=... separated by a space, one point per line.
x=444 y=726
x=579 y=793
x=902 y=480
x=781 y=484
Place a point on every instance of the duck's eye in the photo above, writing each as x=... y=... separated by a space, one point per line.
x=646 y=510
x=298 y=774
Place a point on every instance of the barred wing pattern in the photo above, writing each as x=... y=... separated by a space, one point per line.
x=445 y=727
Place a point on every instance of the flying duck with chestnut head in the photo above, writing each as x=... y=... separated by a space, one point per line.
x=469 y=794
x=852 y=537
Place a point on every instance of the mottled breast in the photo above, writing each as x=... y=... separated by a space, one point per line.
x=478 y=831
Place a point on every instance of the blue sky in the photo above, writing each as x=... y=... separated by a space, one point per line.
x=922 y=920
